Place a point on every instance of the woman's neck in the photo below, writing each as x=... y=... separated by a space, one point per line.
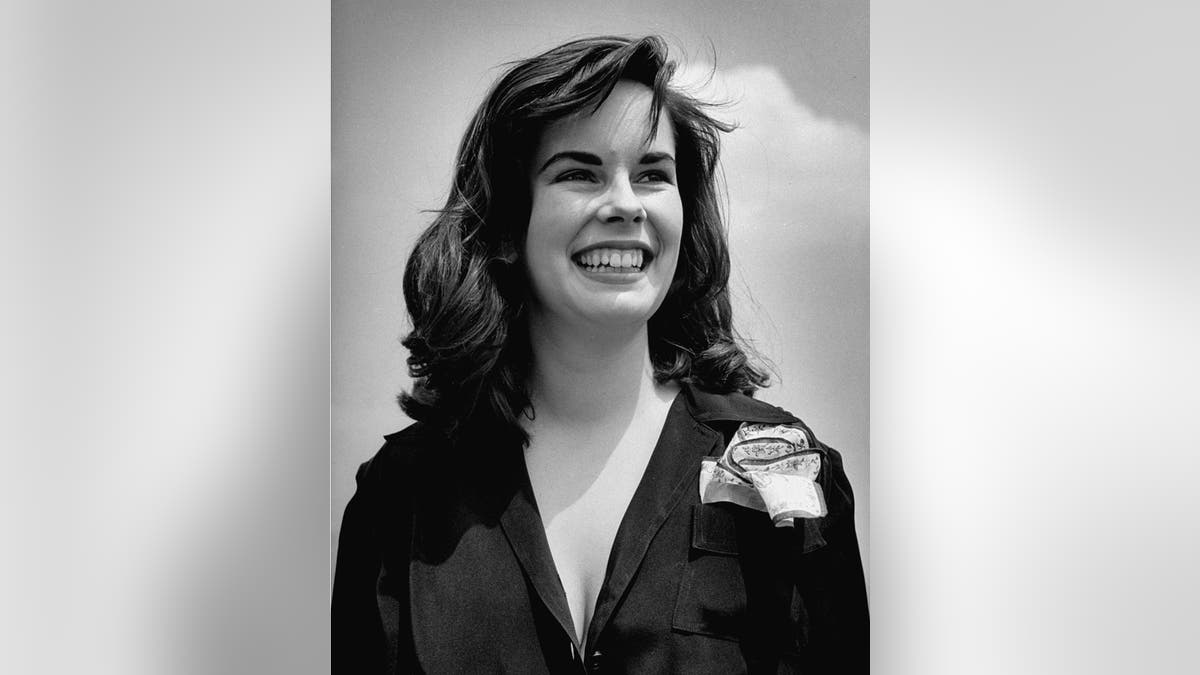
x=585 y=376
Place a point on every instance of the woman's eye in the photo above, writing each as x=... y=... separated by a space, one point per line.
x=575 y=175
x=655 y=177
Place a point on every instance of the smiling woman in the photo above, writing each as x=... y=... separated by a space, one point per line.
x=589 y=484
x=606 y=219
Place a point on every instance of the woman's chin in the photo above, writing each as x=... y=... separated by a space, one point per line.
x=600 y=304
x=625 y=312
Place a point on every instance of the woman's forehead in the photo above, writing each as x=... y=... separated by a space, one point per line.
x=621 y=125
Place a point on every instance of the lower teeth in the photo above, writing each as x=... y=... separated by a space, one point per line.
x=597 y=268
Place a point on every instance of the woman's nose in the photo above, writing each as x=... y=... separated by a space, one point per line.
x=621 y=204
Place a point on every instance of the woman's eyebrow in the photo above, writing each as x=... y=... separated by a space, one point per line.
x=655 y=157
x=581 y=157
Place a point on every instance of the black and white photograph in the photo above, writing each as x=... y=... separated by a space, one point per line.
x=600 y=338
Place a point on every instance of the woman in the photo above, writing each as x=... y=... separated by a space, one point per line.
x=586 y=485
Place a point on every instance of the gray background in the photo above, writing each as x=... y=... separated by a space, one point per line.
x=406 y=78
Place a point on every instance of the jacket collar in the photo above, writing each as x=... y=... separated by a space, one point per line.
x=707 y=407
x=688 y=435
x=526 y=534
x=671 y=472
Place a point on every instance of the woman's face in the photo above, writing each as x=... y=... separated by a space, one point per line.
x=606 y=217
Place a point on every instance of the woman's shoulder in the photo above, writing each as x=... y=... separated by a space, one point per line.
x=708 y=406
x=733 y=409
x=401 y=453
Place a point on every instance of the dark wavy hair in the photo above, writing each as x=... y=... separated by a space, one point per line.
x=464 y=286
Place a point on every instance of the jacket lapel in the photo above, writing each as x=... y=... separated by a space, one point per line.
x=672 y=471
x=469 y=600
x=522 y=525
x=706 y=407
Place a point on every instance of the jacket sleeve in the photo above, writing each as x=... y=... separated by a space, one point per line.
x=830 y=585
x=358 y=641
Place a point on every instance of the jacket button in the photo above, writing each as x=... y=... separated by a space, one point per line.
x=595 y=662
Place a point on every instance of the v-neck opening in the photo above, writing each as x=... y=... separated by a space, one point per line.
x=658 y=488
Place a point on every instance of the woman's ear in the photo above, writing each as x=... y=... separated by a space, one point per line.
x=504 y=266
x=507 y=252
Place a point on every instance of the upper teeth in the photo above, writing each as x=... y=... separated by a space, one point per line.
x=612 y=257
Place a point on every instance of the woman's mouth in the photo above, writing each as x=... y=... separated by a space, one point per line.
x=613 y=260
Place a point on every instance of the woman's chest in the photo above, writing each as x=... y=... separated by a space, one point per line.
x=583 y=490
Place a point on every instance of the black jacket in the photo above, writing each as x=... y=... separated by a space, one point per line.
x=443 y=566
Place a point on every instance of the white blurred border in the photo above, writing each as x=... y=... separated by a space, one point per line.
x=1034 y=331
x=165 y=360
